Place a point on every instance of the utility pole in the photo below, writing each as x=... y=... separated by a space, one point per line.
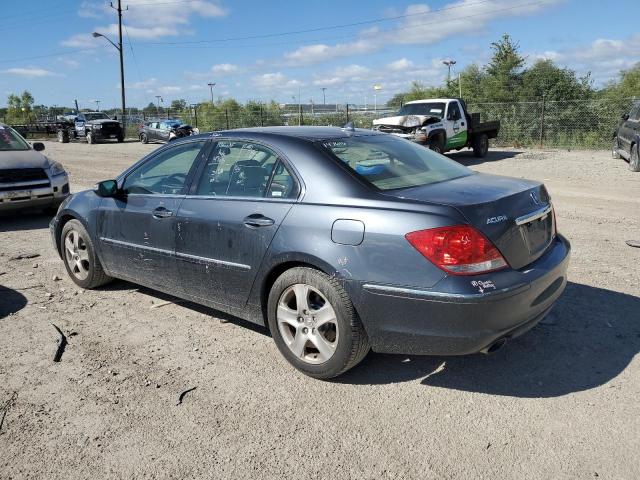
x=97 y=102
x=449 y=63
x=211 y=85
x=158 y=100
x=324 y=98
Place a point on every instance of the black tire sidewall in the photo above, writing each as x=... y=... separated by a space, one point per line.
x=89 y=138
x=144 y=139
x=344 y=314
x=90 y=281
x=634 y=159
x=435 y=145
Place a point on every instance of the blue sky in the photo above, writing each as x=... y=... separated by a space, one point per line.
x=174 y=48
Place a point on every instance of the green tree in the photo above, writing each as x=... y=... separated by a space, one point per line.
x=503 y=71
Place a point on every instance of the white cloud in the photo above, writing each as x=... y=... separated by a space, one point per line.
x=400 y=65
x=30 y=72
x=225 y=68
x=169 y=89
x=423 y=26
x=143 y=84
x=144 y=20
x=603 y=57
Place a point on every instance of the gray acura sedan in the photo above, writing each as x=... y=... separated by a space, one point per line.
x=338 y=240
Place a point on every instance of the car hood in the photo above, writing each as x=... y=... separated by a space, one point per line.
x=23 y=159
x=403 y=120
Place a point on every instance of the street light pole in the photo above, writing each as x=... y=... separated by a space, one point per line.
x=120 y=51
x=211 y=85
x=158 y=100
x=324 y=98
x=448 y=63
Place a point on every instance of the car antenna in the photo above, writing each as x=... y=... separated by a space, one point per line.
x=349 y=126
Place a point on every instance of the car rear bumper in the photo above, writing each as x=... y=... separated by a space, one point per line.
x=430 y=322
x=41 y=197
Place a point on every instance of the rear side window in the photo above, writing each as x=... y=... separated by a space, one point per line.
x=389 y=163
x=245 y=169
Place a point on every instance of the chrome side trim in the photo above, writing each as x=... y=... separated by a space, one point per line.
x=536 y=214
x=404 y=292
x=222 y=263
x=187 y=256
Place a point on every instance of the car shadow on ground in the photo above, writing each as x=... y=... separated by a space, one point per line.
x=589 y=338
x=24 y=220
x=122 y=285
x=466 y=158
x=11 y=301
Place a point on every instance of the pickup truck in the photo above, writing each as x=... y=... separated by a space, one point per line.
x=96 y=126
x=441 y=124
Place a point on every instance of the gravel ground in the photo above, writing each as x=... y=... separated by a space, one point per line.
x=559 y=402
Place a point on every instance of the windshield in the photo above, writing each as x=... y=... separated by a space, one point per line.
x=388 y=162
x=96 y=116
x=434 y=109
x=10 y=140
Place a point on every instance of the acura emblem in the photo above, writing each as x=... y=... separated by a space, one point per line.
x=534 y=198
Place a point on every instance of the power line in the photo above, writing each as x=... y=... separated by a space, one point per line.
x=58 y=54
x=135 y=61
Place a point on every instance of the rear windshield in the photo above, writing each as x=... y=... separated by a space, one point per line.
x=389 y=162
x=10 y=140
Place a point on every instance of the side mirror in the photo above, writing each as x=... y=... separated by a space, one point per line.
x=106 y=188
x=38 y=146
x=625 y=117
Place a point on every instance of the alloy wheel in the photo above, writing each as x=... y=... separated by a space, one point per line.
x=307 y=323
x=77 y=255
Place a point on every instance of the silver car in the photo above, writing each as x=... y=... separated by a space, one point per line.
x=27 y=177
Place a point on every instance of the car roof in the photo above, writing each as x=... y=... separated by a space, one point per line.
x=430 y=100
x=300 y=132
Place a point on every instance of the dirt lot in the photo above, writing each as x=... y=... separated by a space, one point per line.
x=560 y=402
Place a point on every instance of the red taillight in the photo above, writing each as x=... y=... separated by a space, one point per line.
x=458 y=249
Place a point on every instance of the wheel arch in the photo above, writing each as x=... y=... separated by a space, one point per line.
x=277 y=268
x=65 y=217
x=440 y=134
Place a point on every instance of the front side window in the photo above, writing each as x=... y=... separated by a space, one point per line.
x=454 y=111
x=10 y=140
x=389 y=163
x=166 y=173
x=242 y=169
x=635 y=112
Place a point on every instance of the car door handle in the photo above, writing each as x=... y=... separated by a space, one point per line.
x=162 y=212
x=258 y=220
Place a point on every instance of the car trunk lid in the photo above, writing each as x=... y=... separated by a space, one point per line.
x=514 y=214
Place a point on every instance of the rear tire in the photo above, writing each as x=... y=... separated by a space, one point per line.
x=120 y=139
x=481 y=146
x=336 y=330
x=634 y=159
x=80 y=258
x=63 y=136
x=615 y=148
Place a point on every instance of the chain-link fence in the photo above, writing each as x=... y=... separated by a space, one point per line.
x=566 y=124
x=570 y=123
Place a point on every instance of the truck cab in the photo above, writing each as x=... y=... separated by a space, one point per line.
x=441 y=124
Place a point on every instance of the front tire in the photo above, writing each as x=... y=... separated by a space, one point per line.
x=436 y=145
x=481 y=146
x=615 y=152
x=90 y=138
x=314 y=324
x=80 y=258
x=634 y=159
x=144 y=139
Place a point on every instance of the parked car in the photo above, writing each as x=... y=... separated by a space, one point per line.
x=339 y=240
x=27 y=177
x=164 y=131
x=96 y=126
x=626 y=138
x=442 y=124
